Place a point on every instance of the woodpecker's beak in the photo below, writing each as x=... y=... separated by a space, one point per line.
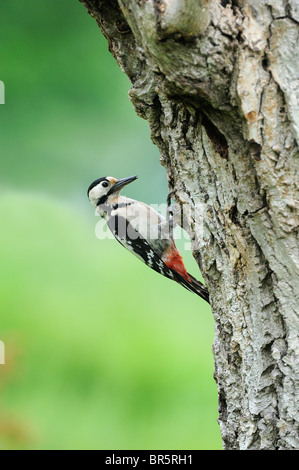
x=123 y=182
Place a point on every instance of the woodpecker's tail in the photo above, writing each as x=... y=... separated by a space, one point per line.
x=197 y=287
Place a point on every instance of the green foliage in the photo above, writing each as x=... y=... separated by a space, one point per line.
x=94 y=360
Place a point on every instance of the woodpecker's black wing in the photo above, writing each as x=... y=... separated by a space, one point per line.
x=133 y=241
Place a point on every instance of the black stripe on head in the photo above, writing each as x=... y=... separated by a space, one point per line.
x=95 y=183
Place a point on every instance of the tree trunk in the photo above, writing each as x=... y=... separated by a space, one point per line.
x=218 y=82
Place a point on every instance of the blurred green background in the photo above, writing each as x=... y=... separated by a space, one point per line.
x=101 y=352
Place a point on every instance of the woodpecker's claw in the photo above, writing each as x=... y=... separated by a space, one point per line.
x=169 y=197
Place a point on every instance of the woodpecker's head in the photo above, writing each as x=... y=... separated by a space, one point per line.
x=106 y=190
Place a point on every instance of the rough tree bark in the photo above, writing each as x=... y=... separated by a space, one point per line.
x=218 y=82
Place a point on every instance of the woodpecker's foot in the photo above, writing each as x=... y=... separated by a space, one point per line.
x=169 y=197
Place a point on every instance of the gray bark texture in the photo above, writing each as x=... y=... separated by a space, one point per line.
x=218 y=82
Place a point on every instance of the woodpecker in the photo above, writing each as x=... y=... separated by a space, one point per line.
x=142 y=231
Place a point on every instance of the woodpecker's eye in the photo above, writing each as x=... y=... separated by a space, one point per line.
x=105 y=184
